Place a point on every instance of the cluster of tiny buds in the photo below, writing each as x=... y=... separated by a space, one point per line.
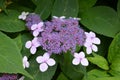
x=56 y=36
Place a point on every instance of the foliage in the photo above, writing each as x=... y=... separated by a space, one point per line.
x=100 y=16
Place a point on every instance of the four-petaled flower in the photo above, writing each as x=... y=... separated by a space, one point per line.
x=37 y=28
x=23 y=15
x=45 y=61
x=80 y=58
x=90 y=42
x=32 y=45
x=25 y=62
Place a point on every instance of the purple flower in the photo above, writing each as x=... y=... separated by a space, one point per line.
x=61 y=35
x=31 y=19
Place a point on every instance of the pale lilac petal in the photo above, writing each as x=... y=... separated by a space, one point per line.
x=87 y=44
x=35 y=33
x=39 y=59
x=89 y=50
x=40 y=24
x=43 y=67
x=35 y=42
x=33 y=50
x=27 y=64
x=92 y=34
x=96 y=41
x=81 y=55
x=46 y=56
x=25 y=58
x=28 y=44
x=51 y=62
x=76 y=61
x=76 y=55
x=94 y=48
x=34 y=26
x=84 y=62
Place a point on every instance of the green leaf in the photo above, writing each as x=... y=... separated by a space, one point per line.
x=68 y=8
x=99 y=61
x=86 y=4
x=62 y=77
x=2 y=5
x=36 y=73
x=118 y=8
x=73 y=72
x=10 y=22
x=26 y=37
x=10 y=57
x=108 y=78
x=95 y=74
x=18 y=41
x=101 y=19
x=114 y=54
x=44 y=8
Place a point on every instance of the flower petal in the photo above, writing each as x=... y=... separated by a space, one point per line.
x=28 y=44
x=39 y=59
x=51 y=62
x=96 y=41
x=92 y=34
x=46 y=56
x=25 y=58
x=43 y=67
x=33 y=50
x=27 y=64
x=34 y=26
x=35 y=33
x=84 y=62
x=76 y=55
x=94 y=48
x=81 y=55
x=89 y=50
x=76 y=61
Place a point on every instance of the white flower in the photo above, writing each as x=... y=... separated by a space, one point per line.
x=61 y=18
x=90 y=42
x=37 y=28
x=22 y=78
x=25 y=62
x=32 y=45
x=23 y=15
x=80 y=58
x=45 y=61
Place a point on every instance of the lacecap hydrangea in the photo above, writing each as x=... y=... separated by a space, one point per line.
x=57 y=36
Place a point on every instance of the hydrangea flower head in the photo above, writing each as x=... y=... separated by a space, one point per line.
x=45 y=61
x=32 y=45
x=25 y=62
x=80 y=58
x=62 y=35
x=23 y=15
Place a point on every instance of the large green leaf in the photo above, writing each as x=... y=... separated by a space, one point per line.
x=2 y=5
x=114 y=55
x=95 y=74
x=86 y=4
x=10 y=57
x=101 y=19
x=10 y=22
x=18 y=41
x=24 y=38
x=73 y=72
x=44 y=8
x=36 y=73
x=62 y=77
x=68 y=8
x=99 y=61
x=118 y=8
